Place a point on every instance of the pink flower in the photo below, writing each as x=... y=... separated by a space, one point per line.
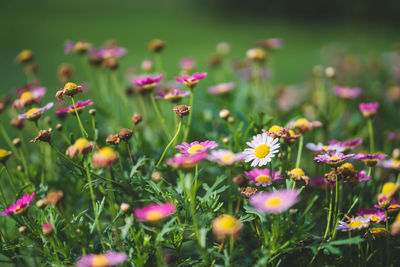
x=35 y=113
x=226 y=157
x=393 y=136
x=334 y=160
x=173 y=95
x=369 y=109
x=28 y=97
x=20 y=206
x=191 y=81
x=107 y=52
x=188 y=63
x=375 y=215
x=111 y=258
x=322 y=149
x=370 y=159
x=154 y=212
x=80 y=47
x=79 y=106
x=196 y=147
x=347 y=145
x=221 y=89
x=148 y=83
x=347 y=92
x=274 y=202
x=186 y=162
x=262 y=176
x=47 y=228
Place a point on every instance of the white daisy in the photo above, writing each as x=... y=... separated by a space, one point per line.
x=263 y=149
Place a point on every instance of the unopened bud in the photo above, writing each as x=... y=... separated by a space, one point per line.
x=224 y=114
x=225 y=140
x=47 y=228
x=156 y=176
x=231 y=119
x=136 y=118
x=92 y=112
x=124 y=207
x=22 y=229
x=59 y=127
x=17 y=142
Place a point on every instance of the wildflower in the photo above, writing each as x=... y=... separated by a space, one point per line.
x=263 y=177
x=347 y=92
x=29 y=97
x=79 y=106
x=270 y=44
x=107 y=52
x=186 y=162
x=25 y=56
x=224 y=114
x=263 y=149
x=221 y=89
x=16 y=142
x=298 y=174
x=375 y=215
x=274 y=202
x=35 y=113
x=240 y=180
x=370 y=159
x=330 y=72
x=247 y=191
x=347 y=145
x=53 y=197
x=147 y=64
x=187 y=64
x=303 y=125
x=20 y=207
x=154 y=212
x=105 y=157
x=156 y=45
x=334 y=160
x=354 y=224
x=80 y=47
x=226 y=225
x=124 y=207
x=322 y=149
x=390 y=164
x=125 y=134
x=148 y=83
x=289 y=136
x=226 y=157
x=256 y=54
x=182 y=110
x=92 y=112
x=393 y=136
x=81 y=147
x=369 y=109
x=389 y=189
x=395 y=228
x=47 y=228
x=173 y=95
x=43 y=136
x=110 y=258
x=191 y=81
x=4 y=155
x=378 y=232
x=393 y=206
x=156 y=176
x=70 y=89
x=355 y=177
x=65 y=72
x=196 y=147
x=113 y=139
x=136 y=118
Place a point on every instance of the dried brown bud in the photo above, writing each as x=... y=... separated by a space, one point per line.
x=53 y=197
x=125 y=134
x=70 y=89
x=298 y=174
x=137 y=118
x=182 y=110
x=65 y=72
x=240 y=180
x=110 y=63
x=247 y=191
x=156 y=45
x=113 y=139
x=19 y=124
x=214 y=61
x=43 y=136
x=330 y=176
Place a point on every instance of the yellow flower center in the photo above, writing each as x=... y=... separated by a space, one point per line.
x=26 y=96
x=3 y=153
x=273 y=202
x=347 y=166
x=154 y=215
x=292 y=133
x=100 y=261
x=149 y=86
x=264 y=179
x=81 y=143
x=298 y=172
x=227 y=222
x=378 y=230
x=70 y=86
x=325 y=148
x=19 y=209
x=334 y=158
x=355 y=224
x=228 y=158
x=396 y=163
x=389 y=188
x=373 y=217
x=274 y=129
x=301 y=123
x=195 y=148
x=31 y=111
x=261 y=151
x=394 y=206
x=107 y=152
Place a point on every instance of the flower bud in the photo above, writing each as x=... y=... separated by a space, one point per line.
x=240 y=180
x=113 y=139
x=156 y=45
x=19 y=124
x=25 y=56
x=182 y=110
x=156 y=176
x=43 y=136
x=92 y=112
x=136 y=118
x=22 y=229
x=125 y=134
x=4 y=155
x=147 y=65
x=224 y=114
x=225 y=140
x=16 y=142
x=330 y=72
x=65 y=72
x=124 y=207
x=231 y=119
x=47 y=228
x=223 y=48
x=59 y=127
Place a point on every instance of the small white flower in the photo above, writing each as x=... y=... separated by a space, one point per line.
x=263 y=149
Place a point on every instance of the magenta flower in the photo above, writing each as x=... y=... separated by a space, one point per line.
x=375 y=215
x=390 y=164
x=20 y=206
x=79 y=47
x=347 y=145
x=362 y=178
x=347 y=92
x=334 y=160
x=355 y=224
x=79 y=106
x=191 y=81
x=370 y=159
x=221 y=89
x=393 y=136
x=173 y=95
x=188 y=63
x=154 y=212
x=107 y=52
x=185 y=161
x=27 y=87
x=196 y=147
x=321 y=182
x=226 y=157
x=47 y=228
x=35 y=113
x=262 y=176
x=148 y=83
x=110 y=258
x=393 y=206
x=28 y=97
x=369 y=109
x=274 y=202
x=322 y=149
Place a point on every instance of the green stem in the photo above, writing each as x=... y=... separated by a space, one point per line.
x=117 y=87
x=158 y=248
x=190 y=115
x=388 y=249
x=337 y=206
x=371 y=136
x=2 y=193
x=10 y=178
x=8 y=140
x=170 y=143
x=328 y=224
x=55 y=250
x=160 y=118
x=83 y=131
x=299 y=151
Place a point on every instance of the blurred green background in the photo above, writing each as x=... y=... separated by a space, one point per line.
x=190 y=28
